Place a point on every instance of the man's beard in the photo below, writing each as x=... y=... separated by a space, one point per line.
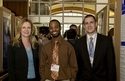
x=56 y=35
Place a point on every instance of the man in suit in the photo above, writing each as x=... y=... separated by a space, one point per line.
x=71 y=36
x=73 y=26
x=96 y=61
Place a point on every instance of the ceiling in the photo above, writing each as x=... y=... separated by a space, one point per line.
x=15 y=0
x=89 y=7
x=62 y=0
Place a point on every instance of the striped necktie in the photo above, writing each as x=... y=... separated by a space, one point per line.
x=55 y=60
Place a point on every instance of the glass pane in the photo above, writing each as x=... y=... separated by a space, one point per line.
x=89 y=9
x=72 y=19
x=40 y=24
x=73 y=8
x=102 y=1
x=44 y=19
x=66 y=27
x=111 y=13
x=99 y=7
x=33 y=9
x=112 y=9
x=111 y=20
x=69 y=14
x=56 y=8
x=44 y=9
x=112 y=1
x=73 y=0
x=34 y=19
x=58 y=18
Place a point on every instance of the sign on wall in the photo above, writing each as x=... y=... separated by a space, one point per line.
x=122 y=54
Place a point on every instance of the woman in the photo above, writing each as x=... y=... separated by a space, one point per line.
x=23 y=54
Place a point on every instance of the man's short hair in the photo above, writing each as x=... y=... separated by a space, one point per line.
x=44 y=30
x=73 y=25
x=89 y=15
x=71 y=34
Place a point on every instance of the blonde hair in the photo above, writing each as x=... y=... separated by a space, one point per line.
x=17 y=38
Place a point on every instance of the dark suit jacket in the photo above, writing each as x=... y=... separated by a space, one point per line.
x=104 y=68
x=18 y=63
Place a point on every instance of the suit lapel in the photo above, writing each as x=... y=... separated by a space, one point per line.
x=97 y=47
x=23 y=51
x=33 y=52
x=85 y=54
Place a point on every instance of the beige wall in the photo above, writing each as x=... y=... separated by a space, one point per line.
x=117 y=35
x=1 y=3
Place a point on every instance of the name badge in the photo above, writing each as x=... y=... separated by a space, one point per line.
x=55 y=67
x=91 y=60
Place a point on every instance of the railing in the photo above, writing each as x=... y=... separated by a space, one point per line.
x=3 y=77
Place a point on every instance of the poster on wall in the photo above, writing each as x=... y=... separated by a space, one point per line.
x=122 y=52
x=6 y=36
x=100 y=18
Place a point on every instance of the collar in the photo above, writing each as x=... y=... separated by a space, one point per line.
x=93 y=36
x=59 y=39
